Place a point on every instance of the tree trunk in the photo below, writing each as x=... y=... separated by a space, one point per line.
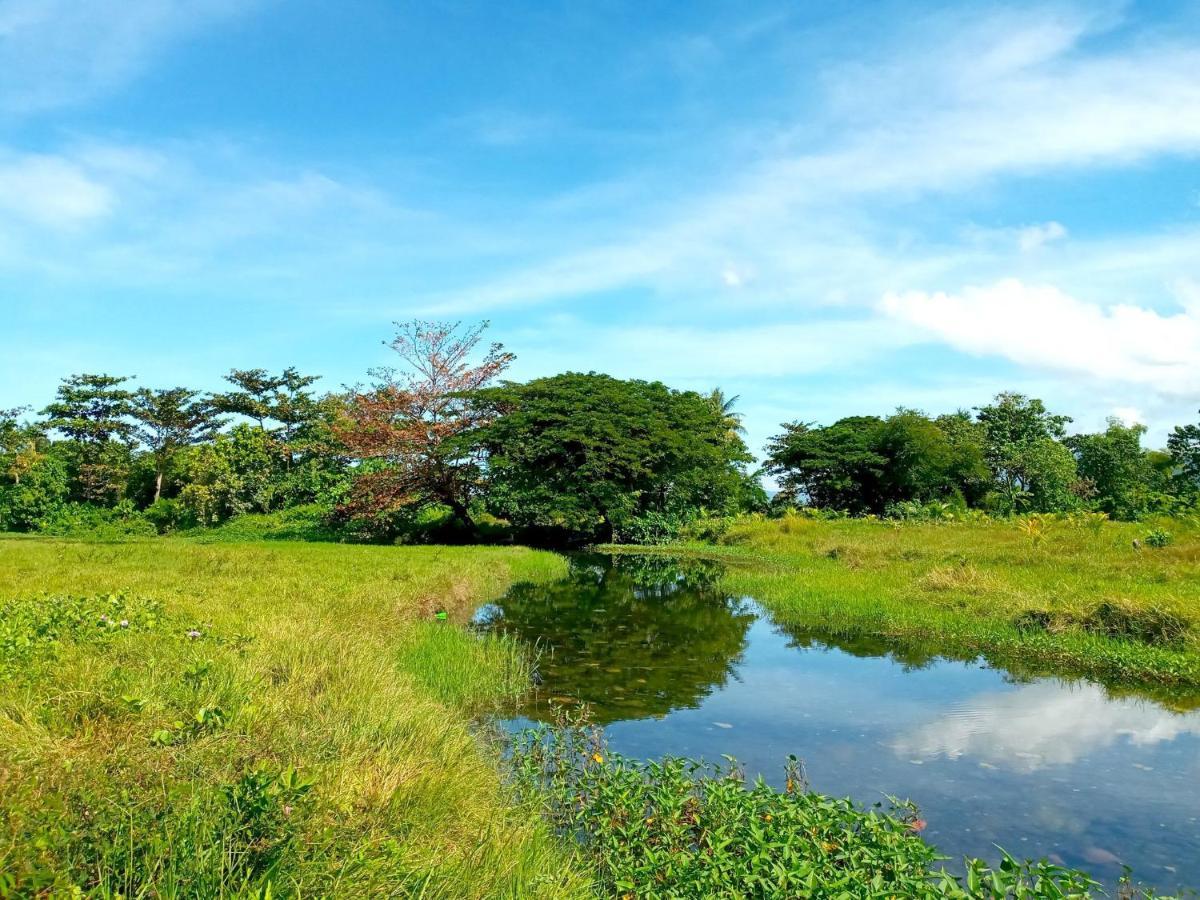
x=158 y=480
x=460 y=511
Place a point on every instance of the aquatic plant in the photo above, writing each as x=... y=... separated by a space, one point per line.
x=678 y=828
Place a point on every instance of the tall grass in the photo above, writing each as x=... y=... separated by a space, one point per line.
x=1069 y=595
x=280 y=716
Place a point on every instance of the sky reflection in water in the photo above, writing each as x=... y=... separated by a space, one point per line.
x=670 y=666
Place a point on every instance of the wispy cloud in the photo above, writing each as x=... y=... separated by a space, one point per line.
x=58 y=52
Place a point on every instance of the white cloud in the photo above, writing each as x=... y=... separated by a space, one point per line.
x=1033 y=236
x=51 y=190
x=1044 y=327
x=1043 y=724
x=58 y=52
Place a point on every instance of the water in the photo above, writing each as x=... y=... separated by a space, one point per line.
x=670 y=666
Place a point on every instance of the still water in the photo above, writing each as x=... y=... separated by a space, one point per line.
x=671 y=666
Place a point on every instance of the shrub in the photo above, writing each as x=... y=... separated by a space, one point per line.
x=1148 y=624
x=86 y=520
x=1158 y=538
x=169 y=515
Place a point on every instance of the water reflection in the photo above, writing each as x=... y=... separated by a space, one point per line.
x=1039 y=766
x=1042 y=724
x=634 y=639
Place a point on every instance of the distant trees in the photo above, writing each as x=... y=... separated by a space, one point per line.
x=863 y=464
x=1183 y=445
x=1031 y=468
x=435 y=445
x=590 y=455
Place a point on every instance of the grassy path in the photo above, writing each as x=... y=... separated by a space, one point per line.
x=241 y=715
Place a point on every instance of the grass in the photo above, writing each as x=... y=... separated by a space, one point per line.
x=186 y=719
x=1074 y=597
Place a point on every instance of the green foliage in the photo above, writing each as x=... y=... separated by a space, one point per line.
x=1159 y=538
x=1032 y=470
x=37 y=495
x=97 y=522
x=1183 y=447
x=864 y=464
x=1120 y=477
x=37 y=627
x=682 y=829
x=588 y=455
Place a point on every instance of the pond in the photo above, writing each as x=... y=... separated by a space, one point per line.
x=669 y=665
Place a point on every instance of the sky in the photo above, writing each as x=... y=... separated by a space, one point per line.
x=826 y=209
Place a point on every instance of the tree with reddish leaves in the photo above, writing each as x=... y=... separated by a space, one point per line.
x=412 y=431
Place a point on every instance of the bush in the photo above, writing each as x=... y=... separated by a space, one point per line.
x=1147 y=624
x=1158 y=538
x=86 y=520
x=169 y=515
x=650 y=528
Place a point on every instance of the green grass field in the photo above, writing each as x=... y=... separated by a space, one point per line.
x=1072 y=597
x=185 y=719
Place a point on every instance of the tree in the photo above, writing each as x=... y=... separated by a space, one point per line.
x=18 y=443
x=1183 y=444
x=93 y=411
x=724 y=407
x=585 y=455
x=413 y=426
x=1029 y=465
x=170 y=419
x=839 y=466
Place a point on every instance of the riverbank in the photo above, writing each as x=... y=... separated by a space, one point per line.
x=1073 y=597
x=186 y=719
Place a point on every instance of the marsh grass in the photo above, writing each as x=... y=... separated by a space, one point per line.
x=280 y=716
x=1068 y=595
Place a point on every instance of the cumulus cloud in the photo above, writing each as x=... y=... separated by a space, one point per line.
x=1040 y=325
x=1043 y=724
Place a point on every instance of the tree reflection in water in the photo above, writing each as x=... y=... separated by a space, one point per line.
x=631 y=637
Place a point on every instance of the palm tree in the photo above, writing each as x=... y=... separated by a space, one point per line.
x=723 y=407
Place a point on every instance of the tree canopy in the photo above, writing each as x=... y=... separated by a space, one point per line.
x=589 y=454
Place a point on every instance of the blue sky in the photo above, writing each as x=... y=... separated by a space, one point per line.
x=825 y=208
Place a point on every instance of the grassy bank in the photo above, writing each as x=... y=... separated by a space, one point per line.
x=179 y=719
x=1075 y=597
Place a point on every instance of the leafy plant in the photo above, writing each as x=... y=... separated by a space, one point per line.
x=679 y=829
x=1158 y=538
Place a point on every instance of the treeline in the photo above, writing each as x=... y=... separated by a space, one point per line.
x=1010 y=456
x=436 y=449
x=441 y=448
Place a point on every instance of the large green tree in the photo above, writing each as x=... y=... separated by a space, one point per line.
x=1031 y=467
x=839 y=466
x=94 y=412
x=1119 y=476
x=168 y=420
x=1183 y=444
x=585 y=455
x=862 y=464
